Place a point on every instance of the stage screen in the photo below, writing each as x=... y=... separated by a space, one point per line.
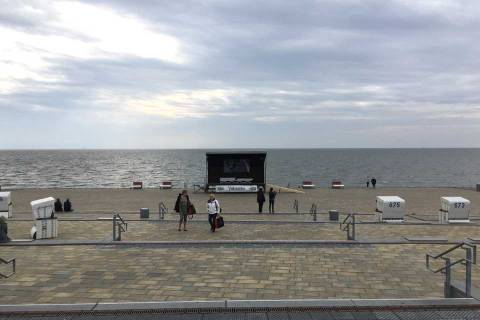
x=233 y=166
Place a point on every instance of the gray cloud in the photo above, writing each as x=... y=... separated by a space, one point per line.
x=355 y=73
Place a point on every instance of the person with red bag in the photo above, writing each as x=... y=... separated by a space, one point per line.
x=213 y=209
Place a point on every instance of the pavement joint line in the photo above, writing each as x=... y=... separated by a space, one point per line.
x=200 y=243
x=426 y=223
x=243 y=305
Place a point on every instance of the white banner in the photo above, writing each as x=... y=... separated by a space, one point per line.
x=236 y=188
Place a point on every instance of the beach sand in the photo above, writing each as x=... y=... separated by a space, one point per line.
x=421 y=201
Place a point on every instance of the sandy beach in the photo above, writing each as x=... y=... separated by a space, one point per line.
x=421 y=201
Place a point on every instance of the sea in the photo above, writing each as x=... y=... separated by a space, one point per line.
x=286 y=167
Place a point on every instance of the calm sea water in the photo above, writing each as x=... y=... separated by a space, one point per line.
x=118 y=168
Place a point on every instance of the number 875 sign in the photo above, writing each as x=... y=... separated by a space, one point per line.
x=394 y=204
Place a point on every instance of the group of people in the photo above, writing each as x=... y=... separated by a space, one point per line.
x=272 y=194
x=67 y=206
x=184 y=207
x=373 y=181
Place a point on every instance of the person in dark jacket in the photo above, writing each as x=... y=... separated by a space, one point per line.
x=374 y=182
x=271 y=200
x=67 y=206
x=177 y=204
x=260 y=199
x=183 y=205
x=58 y=205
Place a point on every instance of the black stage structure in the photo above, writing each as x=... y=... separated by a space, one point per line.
x=243 y=171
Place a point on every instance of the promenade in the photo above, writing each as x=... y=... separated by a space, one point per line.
x=381 y=263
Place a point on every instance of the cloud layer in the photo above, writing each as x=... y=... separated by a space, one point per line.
x=150 y=74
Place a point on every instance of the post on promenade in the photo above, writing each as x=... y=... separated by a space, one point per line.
x=114 y=233
x=313 y=211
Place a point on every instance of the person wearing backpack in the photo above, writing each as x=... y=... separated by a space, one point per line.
x=213 y=209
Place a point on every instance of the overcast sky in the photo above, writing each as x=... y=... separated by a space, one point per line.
x=239 y=74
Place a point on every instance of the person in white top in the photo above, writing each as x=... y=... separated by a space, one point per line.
x=213 y=208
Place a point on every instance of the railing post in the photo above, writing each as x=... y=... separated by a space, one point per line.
x=353 y=227
x=468 y=273
x=119 y=229
x=313 y=211
x=447 y=290
x=114 y=220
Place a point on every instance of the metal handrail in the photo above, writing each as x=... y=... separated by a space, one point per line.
x=469 y=260
x=345 y=226
x=295 y=205
x=119 y=223
x=122 y=223
x=313 y=211
x=448 y=265
x=11 y=261
x=197 y=188
x=162 y=209
x=462 y=245
x=345 y=222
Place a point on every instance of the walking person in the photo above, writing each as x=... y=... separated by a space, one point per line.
x=260 y=199
x=213 y=209
x=183 y=204
x=374 y=182
x=368 y=182
x=271 y=201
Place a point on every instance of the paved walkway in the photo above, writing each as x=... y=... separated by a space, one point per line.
x=74 y=274
x=199 y=230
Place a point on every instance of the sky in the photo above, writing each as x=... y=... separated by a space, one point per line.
x=239 y=74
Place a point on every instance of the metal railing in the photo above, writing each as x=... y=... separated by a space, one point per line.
x=119 y=226
x=198 y=188
x=469 y=260
x=295 y=205
x=162 y=210
x=348 y=225
x=13 y=263
x=313 y=211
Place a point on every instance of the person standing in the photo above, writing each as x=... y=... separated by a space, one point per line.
x=260 y=199
x=183 y=204
x=374 y=182
x=368 y=182
x=271 y=201
x=213 y=209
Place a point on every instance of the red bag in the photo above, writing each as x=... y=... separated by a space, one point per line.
x=219 y=222
x=191 y=210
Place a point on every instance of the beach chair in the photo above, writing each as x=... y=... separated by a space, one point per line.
x=307 y=184
x=337 y=184
x=137 y=185
x=166 y=185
